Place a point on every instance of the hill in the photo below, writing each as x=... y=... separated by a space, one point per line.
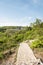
x=11 y=36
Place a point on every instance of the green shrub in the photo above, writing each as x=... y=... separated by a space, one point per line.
x=19 y=38
x=37 y=44
x=1 y=55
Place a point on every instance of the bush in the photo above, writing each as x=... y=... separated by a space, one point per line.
x=19 y=38
x=1 y=55
x=37 y=44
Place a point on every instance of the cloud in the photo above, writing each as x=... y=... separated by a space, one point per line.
x=35 y=1
x=15 y=22
x=24 y=21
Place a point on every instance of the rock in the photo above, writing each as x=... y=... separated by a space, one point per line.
x=25 y=55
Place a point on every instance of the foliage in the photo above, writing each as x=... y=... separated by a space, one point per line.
x=37 y=44
x=1 y=55
x=11 y=36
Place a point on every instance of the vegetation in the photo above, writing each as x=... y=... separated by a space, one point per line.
x=11 y=36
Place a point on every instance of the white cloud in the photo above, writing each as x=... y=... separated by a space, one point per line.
x=35 y=1
x=24 y=21
x=15 y=22
x=5 y=21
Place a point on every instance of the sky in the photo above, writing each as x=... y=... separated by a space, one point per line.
x=20 y=12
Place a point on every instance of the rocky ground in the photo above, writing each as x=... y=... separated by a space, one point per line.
x=26 y=56
x=11 y=60
x=38 y=54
